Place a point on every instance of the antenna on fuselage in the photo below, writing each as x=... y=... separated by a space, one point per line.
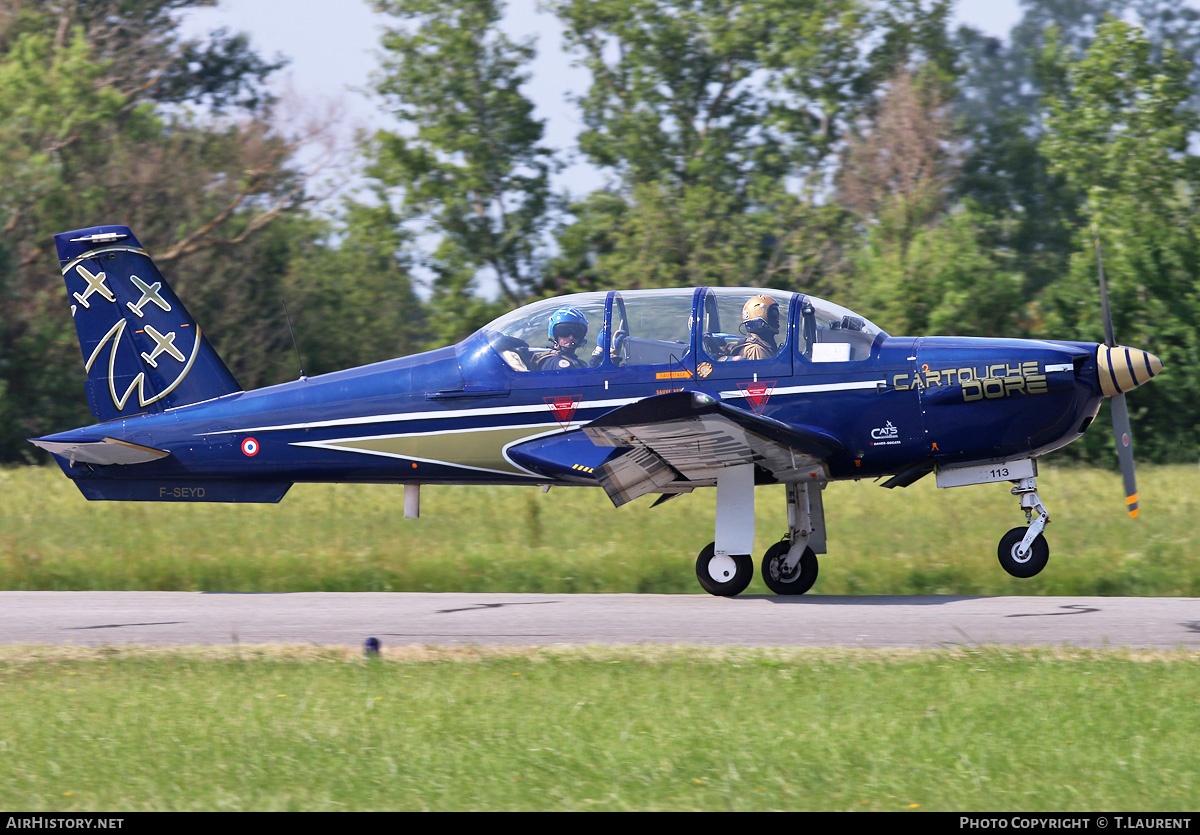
x=674 y=360
x=288 y=317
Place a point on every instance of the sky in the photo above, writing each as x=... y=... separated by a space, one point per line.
x=333 y=49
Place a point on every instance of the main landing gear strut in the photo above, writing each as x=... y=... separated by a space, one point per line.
x=788 y=567
x=1023 y=552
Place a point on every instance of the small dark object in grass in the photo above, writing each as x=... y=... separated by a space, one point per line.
x=371 y=647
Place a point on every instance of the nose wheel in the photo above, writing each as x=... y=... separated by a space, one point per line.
x=1025 y=564
x=723 y=575
x=1023 y=552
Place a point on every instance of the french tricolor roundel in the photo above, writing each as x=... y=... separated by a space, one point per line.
x=250 y=447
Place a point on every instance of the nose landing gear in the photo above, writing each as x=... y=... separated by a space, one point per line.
x=1023 y=552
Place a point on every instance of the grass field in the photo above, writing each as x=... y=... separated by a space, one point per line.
x=918 y=540
x=286 y=728
x=612 y=729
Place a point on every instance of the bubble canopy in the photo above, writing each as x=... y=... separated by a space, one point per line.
x=663 y=326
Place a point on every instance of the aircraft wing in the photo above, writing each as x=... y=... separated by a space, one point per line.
x=681 y=440
x=107 y=451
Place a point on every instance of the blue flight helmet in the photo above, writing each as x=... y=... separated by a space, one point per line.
x=567 y=321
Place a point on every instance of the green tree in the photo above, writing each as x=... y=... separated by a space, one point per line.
x=717 y=122
x=922 y=267
x=147 y=61
x=467 y=168
x=1118 y=133
x=89 y=135
x=943 y=281
x=354 y=303
x=1002 y=85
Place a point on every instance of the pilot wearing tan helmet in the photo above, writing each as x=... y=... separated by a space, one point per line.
x=760 y=322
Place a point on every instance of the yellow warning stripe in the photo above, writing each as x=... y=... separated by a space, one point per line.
x=1132 y=501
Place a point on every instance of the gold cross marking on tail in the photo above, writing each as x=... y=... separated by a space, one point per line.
x=149 y=294
x=161 y=344
x=95 y=284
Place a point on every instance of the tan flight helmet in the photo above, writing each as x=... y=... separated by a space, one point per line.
x=761 y=313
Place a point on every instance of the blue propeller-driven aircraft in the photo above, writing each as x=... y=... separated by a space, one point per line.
x=647 y=391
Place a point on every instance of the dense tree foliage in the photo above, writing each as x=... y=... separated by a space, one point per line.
x=473 y=173
x=718 y=123
x=98 y=124
x=1118 y=133
x=942 y=181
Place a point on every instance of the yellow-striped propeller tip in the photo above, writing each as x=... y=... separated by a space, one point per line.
x=1123 y=369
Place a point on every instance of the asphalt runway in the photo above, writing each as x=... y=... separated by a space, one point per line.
x=328 y=619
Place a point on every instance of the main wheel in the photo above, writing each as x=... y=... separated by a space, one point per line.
x=781 y=581
x=1031 y=563
x=722 y=575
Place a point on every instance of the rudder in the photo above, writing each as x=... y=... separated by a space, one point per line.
x=142 y=350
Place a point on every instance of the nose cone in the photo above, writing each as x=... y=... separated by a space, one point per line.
x=1122 y=369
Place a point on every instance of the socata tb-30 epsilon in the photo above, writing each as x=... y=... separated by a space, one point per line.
x=684 y=388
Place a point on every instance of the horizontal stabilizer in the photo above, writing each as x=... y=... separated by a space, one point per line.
x=107 y=451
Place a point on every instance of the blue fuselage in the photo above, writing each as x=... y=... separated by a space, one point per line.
x=460 y=415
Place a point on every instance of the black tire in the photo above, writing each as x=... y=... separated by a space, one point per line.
x=800 y=579
x=732 y=574
x=1034 y=561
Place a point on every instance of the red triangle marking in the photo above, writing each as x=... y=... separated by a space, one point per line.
x=758 y=394
x=563 y=407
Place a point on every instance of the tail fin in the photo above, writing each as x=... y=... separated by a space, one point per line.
x=142 y=351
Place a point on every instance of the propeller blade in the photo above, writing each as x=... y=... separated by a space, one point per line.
x=1120 y=413
x=1109 y=339
x=1124 y=439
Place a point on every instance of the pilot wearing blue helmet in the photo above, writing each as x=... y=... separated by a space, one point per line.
x=567 y=330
